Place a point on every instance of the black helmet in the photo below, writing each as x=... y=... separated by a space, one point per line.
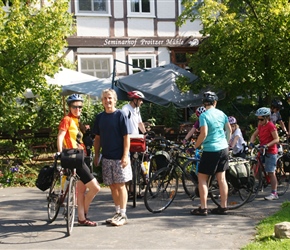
x=209 y=97
x=74 y=98
x=277 y=104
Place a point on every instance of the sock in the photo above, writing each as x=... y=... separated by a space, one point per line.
x=123 y=212
x=274 y=191
x=117 y=209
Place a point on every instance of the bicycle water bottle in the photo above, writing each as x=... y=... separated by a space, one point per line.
x=64 y=182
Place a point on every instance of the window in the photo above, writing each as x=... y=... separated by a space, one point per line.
x=138 y=62
x=197 y=3
x=141 y=8
x=98 y=66
x=93 y=6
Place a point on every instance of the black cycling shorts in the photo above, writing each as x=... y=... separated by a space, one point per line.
x=85 y=174
x=213 y=162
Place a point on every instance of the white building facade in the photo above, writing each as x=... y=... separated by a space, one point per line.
x=137 y=33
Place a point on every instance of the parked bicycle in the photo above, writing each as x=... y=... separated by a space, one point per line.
x=262 y=178
x=239 y=177
x=163 y=185
x=63 y=189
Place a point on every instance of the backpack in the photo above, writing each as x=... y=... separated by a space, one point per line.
x=45 y=178
x=239 y=172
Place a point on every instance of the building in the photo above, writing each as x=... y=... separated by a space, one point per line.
x=137 y=33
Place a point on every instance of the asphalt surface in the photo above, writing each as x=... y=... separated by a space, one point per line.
x=23 y=224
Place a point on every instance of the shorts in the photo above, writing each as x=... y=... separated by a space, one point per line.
x=213 y=162
x=113 y=172
x=270 y=162
x=85 y=174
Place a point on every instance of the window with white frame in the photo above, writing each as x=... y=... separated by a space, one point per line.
x=93 y=6
x=98 y=66
x=140 y=62
x=141 y=8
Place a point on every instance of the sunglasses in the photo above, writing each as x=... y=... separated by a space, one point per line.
x=76 y=107
x=261 y=119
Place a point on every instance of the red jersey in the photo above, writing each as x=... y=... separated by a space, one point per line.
x=265 y=136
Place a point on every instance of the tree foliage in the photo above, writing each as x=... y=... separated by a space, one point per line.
x=246 y=45
x=32 y=42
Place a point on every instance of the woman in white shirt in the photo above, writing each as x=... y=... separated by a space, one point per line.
x=237 y=142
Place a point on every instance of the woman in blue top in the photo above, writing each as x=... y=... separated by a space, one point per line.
x=215 y=133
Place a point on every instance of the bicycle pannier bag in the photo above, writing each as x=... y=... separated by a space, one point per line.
x=137 y=143
x=239 y=172
x=72 y=158
x=286 y=162
x=45 y=178
x=160 y=160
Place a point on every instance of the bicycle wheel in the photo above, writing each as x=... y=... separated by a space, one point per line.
x=237 y=197
x=189 y=179
x=54 y=198
x=161 y=190
x=71 y=205
x=134 y=182
x=282 y=178
x=257 y=179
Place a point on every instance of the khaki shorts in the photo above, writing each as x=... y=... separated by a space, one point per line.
x=113 y=172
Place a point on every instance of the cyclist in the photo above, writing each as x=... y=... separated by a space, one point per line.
x=195 y=127
x=275 y=116
x=111 y=130
x=214 y=159
x=135 y=124
x=237 y=142
x=132 y=111
x=70 y=136
x=268 y=136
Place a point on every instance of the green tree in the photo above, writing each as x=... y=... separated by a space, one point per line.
x=32 y=42
x=246 y=45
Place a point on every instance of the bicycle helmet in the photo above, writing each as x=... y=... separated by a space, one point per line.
x=263 y=112
x=136 y=95
x=277 y=104
x=288 y=95
x=232 y=120
x=74 y=98
x=200 y=110
x=209 y=97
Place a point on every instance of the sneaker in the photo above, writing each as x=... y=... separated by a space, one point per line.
x=109 y=221
x=120 y=220
x=220 y=210
x=272 y=197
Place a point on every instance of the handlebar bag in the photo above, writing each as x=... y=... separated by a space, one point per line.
x=72 y=158
x=137 y=143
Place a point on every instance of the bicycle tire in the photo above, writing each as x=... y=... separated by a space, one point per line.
x=54 y=198
x=134 y=182
x=256 y=172
x=237 y=197
x=189 y=179
x=161 y=190
x=71 y=205
x=282 y=178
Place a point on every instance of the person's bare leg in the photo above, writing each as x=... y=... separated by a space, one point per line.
x=93 y=188
x=223 y=187
x=203 y=189
x=81 y=189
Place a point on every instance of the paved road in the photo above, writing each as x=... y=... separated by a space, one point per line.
x=23 y=224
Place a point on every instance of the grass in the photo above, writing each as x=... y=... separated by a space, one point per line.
x=265 y=239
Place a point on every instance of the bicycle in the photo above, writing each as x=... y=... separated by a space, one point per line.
x=262 y=178
x=163 y=185
x=63 y=188
x=238 y=193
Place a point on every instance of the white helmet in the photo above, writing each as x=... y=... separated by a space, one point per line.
x=263 y=112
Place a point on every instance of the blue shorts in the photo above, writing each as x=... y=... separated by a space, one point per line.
x=113 y=172
x=213 y=162
x=270 y=162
